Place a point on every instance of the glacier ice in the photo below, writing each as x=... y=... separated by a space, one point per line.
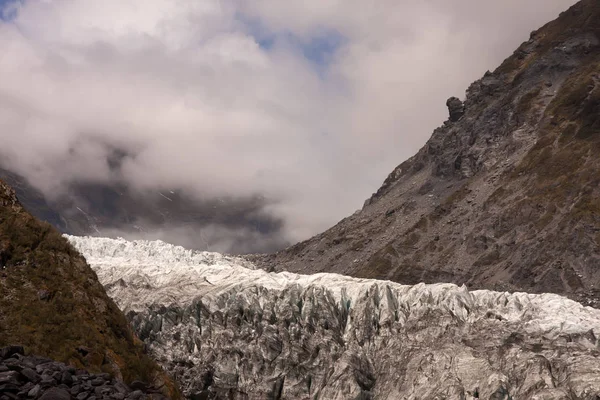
x=227 y=330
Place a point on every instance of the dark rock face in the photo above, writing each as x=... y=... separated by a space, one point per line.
x=31 y=377
x=506 y=196
x=456 y=108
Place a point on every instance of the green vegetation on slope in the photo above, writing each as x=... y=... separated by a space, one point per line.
x=52 y=303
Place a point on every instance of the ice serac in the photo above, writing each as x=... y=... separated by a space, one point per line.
x=226 y=330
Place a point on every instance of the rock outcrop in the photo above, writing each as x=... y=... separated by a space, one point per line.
x=506 y=196
x=456 y=108
x=52 y=303
x=33 y=377
x=227 y=331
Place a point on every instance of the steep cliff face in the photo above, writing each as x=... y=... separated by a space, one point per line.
x=52 y=303
x=228 y=331
x=504 y=195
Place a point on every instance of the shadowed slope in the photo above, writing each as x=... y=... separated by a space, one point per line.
x=52 y=303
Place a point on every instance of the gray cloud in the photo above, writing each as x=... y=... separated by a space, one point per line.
x=222 y=98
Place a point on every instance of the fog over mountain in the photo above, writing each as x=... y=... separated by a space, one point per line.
x=295 y=112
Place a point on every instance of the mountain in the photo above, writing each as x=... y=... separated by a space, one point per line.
x=227 y=330
x=33 y=200
x=52 y=303
x=504 y=195
x=233 y=225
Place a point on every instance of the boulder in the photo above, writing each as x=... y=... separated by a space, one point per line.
x=66 y=378
x=9 y=377
x=31 y=375
x=10 y=351
x=138 y=385
x=35 y=391
x=56 y=394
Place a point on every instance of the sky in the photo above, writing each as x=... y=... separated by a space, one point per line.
x=309 y=104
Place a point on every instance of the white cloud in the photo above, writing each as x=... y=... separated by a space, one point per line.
x=188 y=88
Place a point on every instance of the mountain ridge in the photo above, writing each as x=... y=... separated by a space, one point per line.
x=229 y=224
x=503 y=195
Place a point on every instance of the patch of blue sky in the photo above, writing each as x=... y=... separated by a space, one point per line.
x=318 y=48
x=8 y=9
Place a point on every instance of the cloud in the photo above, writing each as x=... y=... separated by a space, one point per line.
x=309 y=104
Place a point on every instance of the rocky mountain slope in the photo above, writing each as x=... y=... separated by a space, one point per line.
x=52 y=303
x=229 y=331
x=91 y=208
x=504 y=195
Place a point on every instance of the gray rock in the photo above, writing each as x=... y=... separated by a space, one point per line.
x=31 y=375
x=28 y=362
x=66 y=378
x=122 y=388
x=9 y=351
x=44 y=295
x=136 y=394
x=82 y=396
x=100 y=390
x=98 y=382
x=456 y=108
x=11 y=377
x=48 y=382
x=35 y=391
x=55 y=394
x=27 y=386
x=6 y=388
x=13 y=364
x=138 y=385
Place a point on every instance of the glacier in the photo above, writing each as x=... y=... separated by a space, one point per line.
x=227 y=330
